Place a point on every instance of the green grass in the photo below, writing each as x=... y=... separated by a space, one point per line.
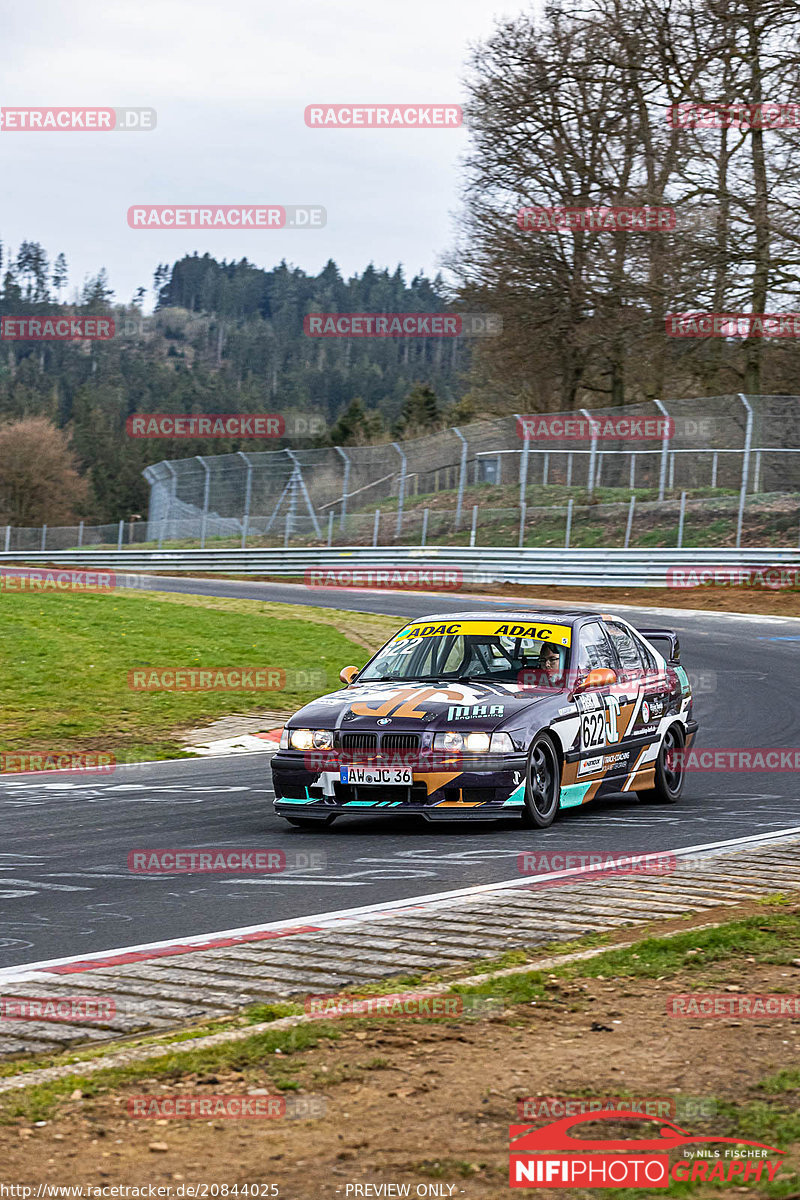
x=65 y=686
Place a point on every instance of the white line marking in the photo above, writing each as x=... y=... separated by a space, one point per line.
x=378 y=910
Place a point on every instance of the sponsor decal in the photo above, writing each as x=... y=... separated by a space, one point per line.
x=460 y=713
x=646 y=730
x=589 y=765
x=561 y=634
x=645 y=711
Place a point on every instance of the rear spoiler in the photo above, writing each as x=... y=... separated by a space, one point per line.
x=665 y=635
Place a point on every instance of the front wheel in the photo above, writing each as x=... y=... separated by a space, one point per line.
x=542 y=784
x=669 y=774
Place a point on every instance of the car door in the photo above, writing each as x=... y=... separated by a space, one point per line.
x=599 y=724
x=638 y=724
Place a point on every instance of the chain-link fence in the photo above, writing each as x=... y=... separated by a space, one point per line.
x=484 y=484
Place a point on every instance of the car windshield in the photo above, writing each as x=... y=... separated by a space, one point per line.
x=530 y=656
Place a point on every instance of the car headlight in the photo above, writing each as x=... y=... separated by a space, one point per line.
x=311 y=739
x=472 y=743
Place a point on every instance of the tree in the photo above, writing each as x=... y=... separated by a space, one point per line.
x=356 y=426
x=39 y=480
x=60 y=275
x=420 y=414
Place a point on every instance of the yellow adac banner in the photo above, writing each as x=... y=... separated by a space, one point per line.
x=560 y=634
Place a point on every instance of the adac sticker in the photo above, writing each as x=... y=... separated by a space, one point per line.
x=561 y=634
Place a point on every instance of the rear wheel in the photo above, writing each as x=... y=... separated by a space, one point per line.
x=542 y=784
x=669 y=776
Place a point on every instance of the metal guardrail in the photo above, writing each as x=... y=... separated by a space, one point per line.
x=584 y=567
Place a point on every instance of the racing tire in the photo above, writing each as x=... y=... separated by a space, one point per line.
x=542 y=784
x=669 y=779
x=310 y=822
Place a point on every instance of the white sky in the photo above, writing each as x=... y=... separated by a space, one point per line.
x=230 y=82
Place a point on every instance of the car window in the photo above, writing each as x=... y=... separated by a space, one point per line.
x=626 y=647
x=593 y=649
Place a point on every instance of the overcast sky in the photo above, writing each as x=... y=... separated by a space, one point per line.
x=230 y=82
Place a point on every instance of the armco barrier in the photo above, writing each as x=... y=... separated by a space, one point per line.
x=595 y=567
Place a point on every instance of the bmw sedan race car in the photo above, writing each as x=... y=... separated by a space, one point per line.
x=481 y=716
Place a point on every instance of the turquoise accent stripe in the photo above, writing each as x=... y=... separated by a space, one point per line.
x=516 y=799
x=574 y=794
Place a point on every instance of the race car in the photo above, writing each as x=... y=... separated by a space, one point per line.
x=480 y=716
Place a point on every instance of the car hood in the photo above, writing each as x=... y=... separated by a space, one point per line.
x=421 y=706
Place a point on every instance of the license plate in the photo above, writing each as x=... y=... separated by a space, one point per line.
x=377 y=776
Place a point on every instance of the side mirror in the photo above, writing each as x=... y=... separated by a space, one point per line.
x=348 y=674
x=599 y=677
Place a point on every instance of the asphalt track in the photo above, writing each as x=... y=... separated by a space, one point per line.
x=64 y=883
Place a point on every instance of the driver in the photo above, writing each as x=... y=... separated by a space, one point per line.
x=550 y=664
x=547 y=672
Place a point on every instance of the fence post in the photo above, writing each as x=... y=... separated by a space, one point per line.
x=664 y=449
x=375 y=527
x=44 y=536
x=569 y=469
x=330 y=528
x=401 y=490
x=748 y=441
x=681 y=519
x=345 y=483
x=632 y=480
x=248 y=494
x=287 y=528
x=568 y=530
x=672 y=470
x=757 y=473
x=714 y=462
x=425 y=513
x=499 y=475
x=474 y=524
x=522 y=510
x=8 y=538
x=461 y=475
x=599 y=469
x=120 y=533
x=206 y=499
x=629 y=526
x=593 y=450
x=80 y=534
x=546 y=468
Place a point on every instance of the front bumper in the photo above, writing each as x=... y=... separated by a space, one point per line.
x=446 y=790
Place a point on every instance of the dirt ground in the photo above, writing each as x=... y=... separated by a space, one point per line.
x=428 y=1103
